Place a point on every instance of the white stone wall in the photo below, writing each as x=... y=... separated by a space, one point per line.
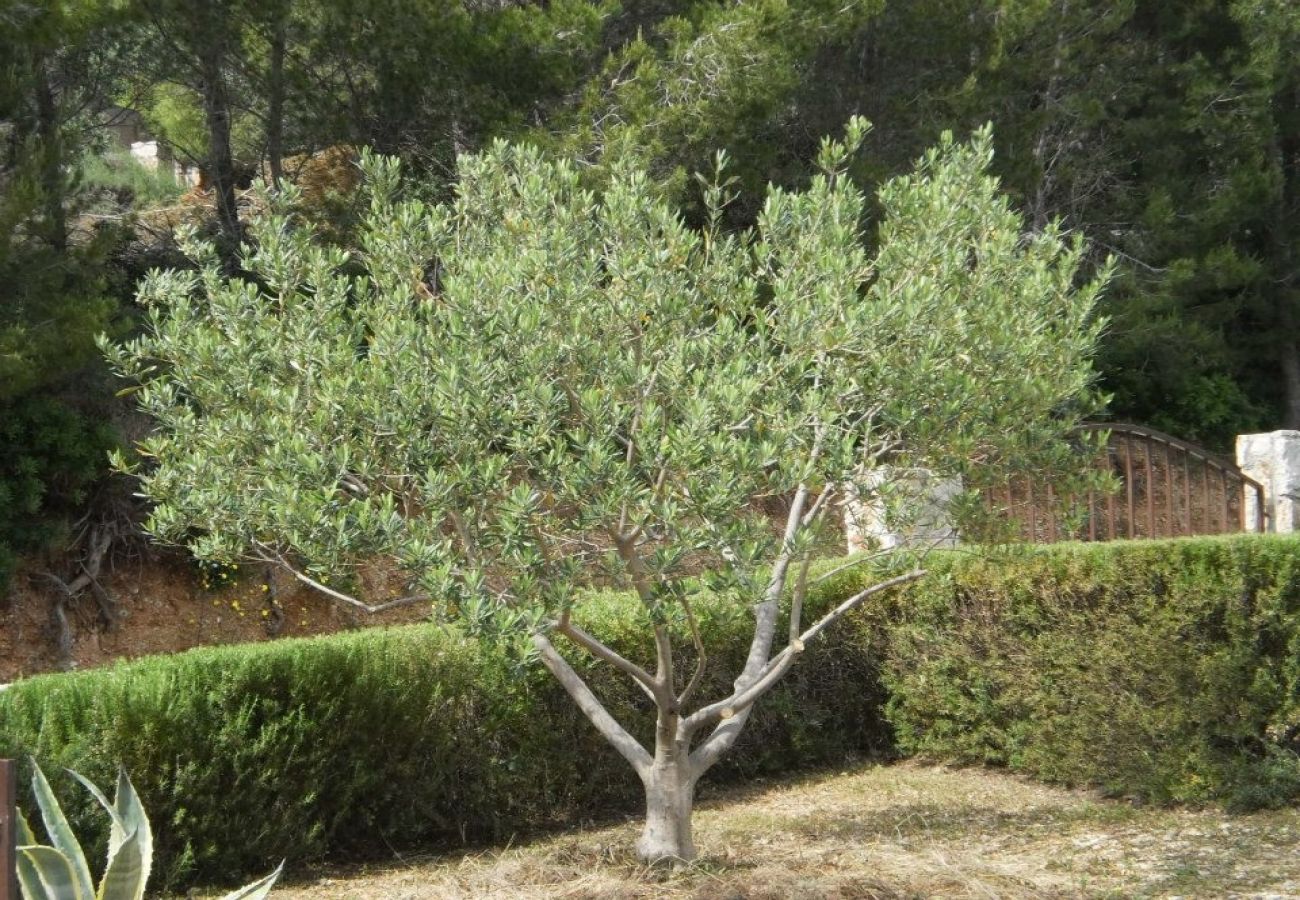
x=888 y=508
x=1272 y=459
x=145 y=153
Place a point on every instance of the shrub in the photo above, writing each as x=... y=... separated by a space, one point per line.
x=1165 y=670
x=50 y=457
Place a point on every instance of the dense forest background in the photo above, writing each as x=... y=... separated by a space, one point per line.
x=1168 y=134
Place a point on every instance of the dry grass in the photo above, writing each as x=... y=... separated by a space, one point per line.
x=891 y=832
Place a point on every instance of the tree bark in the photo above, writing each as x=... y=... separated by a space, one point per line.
x=669 y=802
x=1286 y=112
x=1289 y=359
x=1050 y=100
x=51 y=177
x=275 y=103
x=216 y=114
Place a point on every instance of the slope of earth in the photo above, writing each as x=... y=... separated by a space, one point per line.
x=886 y=832
x=163 y=603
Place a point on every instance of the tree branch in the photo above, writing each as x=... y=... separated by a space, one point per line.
x=663 y=641
x=765 y=616
x=600 y=650
x=306 y=579
x=760 y=647
x=854 y=562
x=819 y=505
x=848 y=605
x=627 y=746
x=701 y=657
x=800 y=592
x=732 y=711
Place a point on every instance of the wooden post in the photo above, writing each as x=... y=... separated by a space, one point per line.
x=1110 y=499
x=1130 y=528
x=1226 y=506
x=1208 y=493
x=1151 y=493
x=1033 y=511
x=1170 y=529
x=8 y=830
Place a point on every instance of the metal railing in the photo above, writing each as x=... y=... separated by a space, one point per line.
x=1167 y=488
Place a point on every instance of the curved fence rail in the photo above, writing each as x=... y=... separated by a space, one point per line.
x=1167 y=488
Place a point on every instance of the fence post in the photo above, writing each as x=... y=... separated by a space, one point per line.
x=8 y=830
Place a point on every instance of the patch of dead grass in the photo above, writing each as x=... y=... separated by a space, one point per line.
x=876 y=833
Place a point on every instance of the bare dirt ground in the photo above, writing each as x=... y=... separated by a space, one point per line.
x=165 y=607
x=880 y=832
x=163 y=603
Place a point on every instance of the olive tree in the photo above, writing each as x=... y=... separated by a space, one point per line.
x=534 y=388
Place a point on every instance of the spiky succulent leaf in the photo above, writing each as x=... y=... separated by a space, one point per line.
x=27 y=875
x=125 y=877
x=128 y=817
x=26 y=837
x=131 y=811
x=258 y=889
x=54 y=874
x=117 y=832
x=60 y=832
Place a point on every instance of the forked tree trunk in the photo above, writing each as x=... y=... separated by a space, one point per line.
x=669 y=775
x=669 y=800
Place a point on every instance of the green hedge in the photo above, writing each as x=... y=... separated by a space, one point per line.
x=1163 y=670
x=357 y=744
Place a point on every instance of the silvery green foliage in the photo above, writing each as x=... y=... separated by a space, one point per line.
x=59 y=871
x=493 y=390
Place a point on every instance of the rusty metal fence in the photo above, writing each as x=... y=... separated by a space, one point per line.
x=1167 y=488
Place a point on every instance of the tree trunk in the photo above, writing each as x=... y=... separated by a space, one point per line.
x=1290 y=364
x=275 y=104
x=51 y=177
x=1038 y=206
x=669 y=800
x=221 y=161
x=1286 y=123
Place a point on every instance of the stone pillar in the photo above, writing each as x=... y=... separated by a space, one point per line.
x=146 y=154
x=1272 y=459
x=901 y=508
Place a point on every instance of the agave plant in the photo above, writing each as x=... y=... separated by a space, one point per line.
x=58 y=871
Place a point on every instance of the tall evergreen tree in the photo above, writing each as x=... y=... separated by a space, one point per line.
x=55 y=285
